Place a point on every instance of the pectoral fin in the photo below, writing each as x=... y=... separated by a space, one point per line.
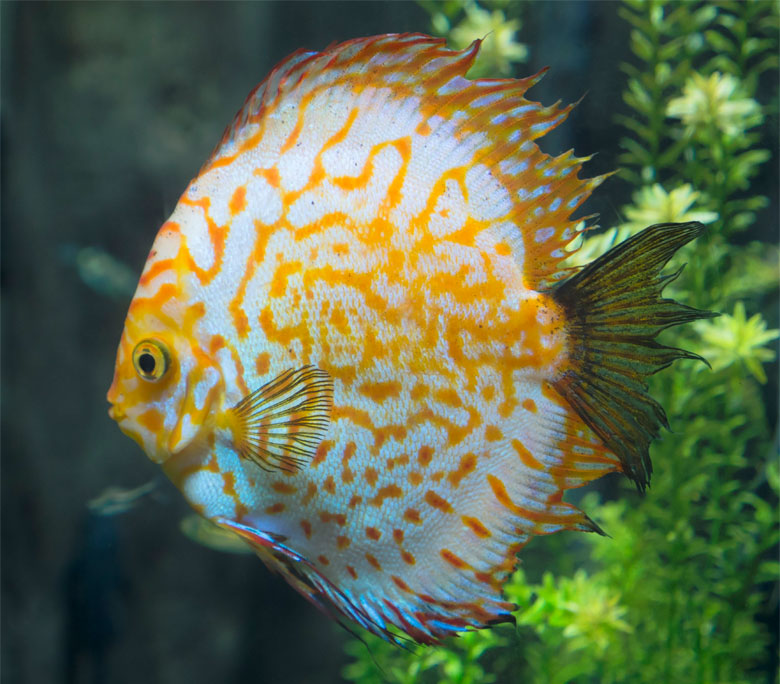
x=280 y=425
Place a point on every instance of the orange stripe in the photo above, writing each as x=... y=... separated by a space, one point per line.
x=408 y=558
x=526 y=456
x=468 y=463
x=476 y=526
x=283 y=488
x=262 y=362
x=339 y=518
x=156 y=301
x=493 y=434
x=379 y=391
x=322 y=452
x=217 y=235
x=448 y=396
x=403 y=586
x=295 y=133
x=329 y=485
x=393 y=194
x=499 y=491
x=240 y=321
x=391 y=491
x=412 y=515
x=433 y=499
x=424 y=455
x=341 y=134
x=453 y=560
x=238 y=201
x=155 y=269
x=370 y=475
x=278 y=285
x=311 y=490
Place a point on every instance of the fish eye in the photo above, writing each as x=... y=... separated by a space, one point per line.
x=151 y=359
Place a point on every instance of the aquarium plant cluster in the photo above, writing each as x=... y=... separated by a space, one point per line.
x=684 y=588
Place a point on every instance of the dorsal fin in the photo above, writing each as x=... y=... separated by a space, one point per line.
x=490 y=121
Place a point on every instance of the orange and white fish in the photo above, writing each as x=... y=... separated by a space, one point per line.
x=354 y=343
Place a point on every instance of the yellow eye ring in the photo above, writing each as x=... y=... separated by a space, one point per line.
x=151 y=359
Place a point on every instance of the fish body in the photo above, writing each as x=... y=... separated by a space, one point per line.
x=354 y=346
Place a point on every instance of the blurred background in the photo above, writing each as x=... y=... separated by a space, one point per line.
x=108 y=110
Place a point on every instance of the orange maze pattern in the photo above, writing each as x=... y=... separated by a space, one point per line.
x=373 y=214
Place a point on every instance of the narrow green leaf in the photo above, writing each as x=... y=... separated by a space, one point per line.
x=641 y=46
x=718 y=42
x=641 y=130
x=705 y=15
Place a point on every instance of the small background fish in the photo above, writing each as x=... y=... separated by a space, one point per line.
x=108 y=110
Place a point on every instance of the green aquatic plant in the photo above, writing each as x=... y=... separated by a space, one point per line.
x=652 y=204
x=737 y=340
x=714 y=105
x=686 y=584
x=692 y=93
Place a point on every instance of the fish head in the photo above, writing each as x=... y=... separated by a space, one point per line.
x=165 y=388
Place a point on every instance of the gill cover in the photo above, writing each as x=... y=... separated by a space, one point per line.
x=202 y=389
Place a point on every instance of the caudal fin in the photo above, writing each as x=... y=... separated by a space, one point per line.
x=615 y=310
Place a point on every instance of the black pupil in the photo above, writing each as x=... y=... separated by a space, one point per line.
x=146 y=362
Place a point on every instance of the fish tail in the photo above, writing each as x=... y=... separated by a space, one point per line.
x=614 y=310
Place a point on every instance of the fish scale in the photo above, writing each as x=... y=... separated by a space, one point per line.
x=354 y=356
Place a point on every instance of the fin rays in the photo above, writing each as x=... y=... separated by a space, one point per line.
x=281 y=424
x=616 y=311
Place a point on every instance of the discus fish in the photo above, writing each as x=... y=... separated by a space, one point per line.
x=355 y=344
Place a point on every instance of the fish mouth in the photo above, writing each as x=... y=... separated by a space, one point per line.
x=115 y=399
x=116 y=413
